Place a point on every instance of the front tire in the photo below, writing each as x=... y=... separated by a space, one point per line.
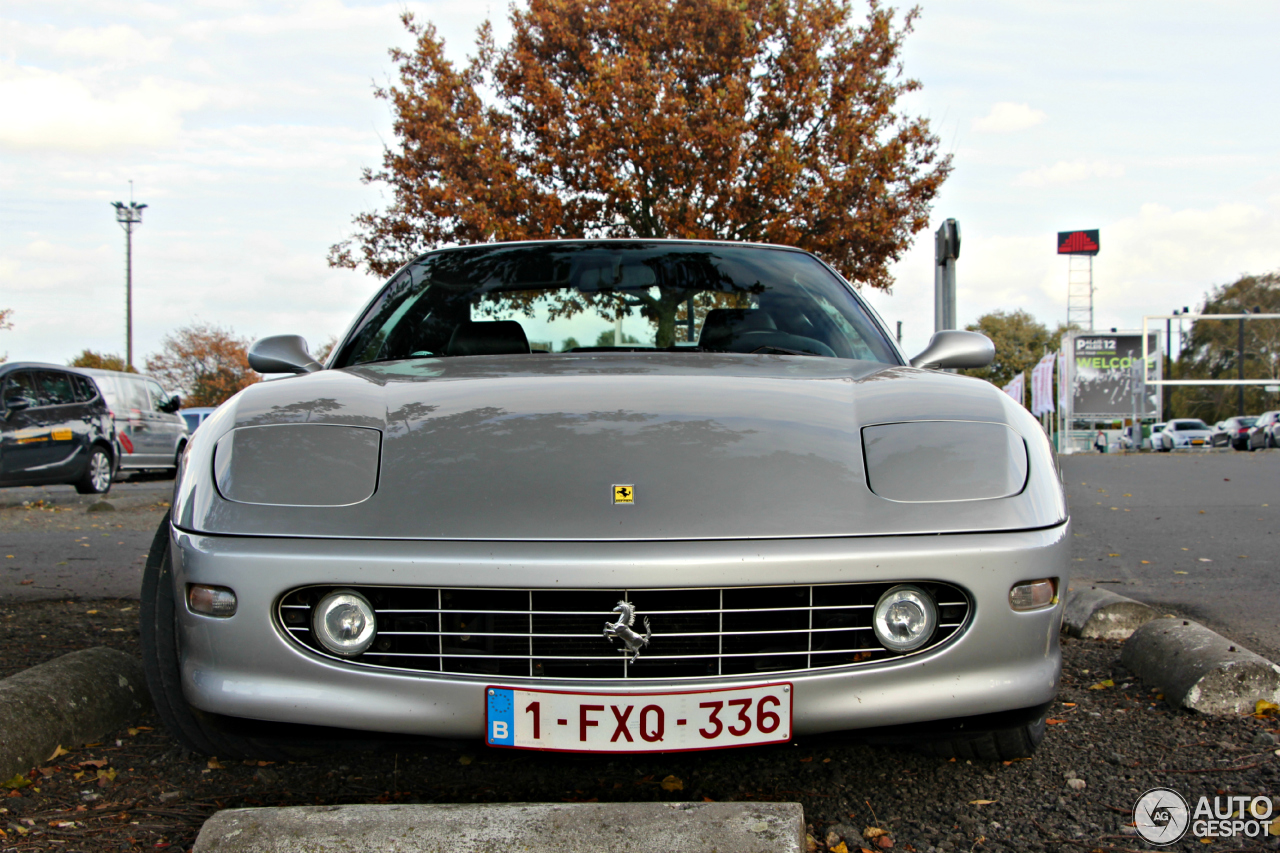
x=995 y=745
x=193 y=729
x=97 y=474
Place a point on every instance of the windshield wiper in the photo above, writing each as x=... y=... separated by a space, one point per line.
x=784 y=350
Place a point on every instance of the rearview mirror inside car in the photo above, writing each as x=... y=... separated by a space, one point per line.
x=954 y=348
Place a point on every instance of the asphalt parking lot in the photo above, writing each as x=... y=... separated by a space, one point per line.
x=52 y=548
x=1195 y=533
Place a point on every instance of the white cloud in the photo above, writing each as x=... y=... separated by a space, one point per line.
x=1064 y=172
x=1006 y=117
x=117 y=43
x=52 y=111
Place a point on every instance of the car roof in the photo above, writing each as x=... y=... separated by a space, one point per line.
x=35 y=365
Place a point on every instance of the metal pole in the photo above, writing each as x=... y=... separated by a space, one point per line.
x=1168 y=364
x=946 y=248
x=128 y=295
x=1240 y=364
x=899 y=333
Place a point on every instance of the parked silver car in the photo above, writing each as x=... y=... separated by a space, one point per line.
x=1183 y=434
x=734 y=515
x=151 y=434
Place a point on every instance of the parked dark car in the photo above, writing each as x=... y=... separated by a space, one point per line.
x=56 y=428
x=1233 y=432
x=1265 y=431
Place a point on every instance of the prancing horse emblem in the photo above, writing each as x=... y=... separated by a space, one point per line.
x=622 y=630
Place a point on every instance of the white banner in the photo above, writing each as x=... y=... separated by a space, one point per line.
x=1042 y=385
x=1062 y=381
x=1016 y=388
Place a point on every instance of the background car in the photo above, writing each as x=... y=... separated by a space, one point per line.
x=56 y=428
x=1154 y=442
x=1265 y=431
x=1233 y=432
x=196 y=416
x=705 y=502
x=150 y=432
x=1184 y=434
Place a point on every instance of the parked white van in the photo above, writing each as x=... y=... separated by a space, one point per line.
x=150 y=432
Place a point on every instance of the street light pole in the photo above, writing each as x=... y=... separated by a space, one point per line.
x=129 y=216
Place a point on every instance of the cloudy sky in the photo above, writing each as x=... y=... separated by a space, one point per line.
x=244 y=127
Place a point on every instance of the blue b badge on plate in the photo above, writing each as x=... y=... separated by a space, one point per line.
x=501 y=717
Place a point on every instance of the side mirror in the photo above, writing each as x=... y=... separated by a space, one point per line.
x=171 y=405
x=16 y=404
x=954 y=348
x=282 y=354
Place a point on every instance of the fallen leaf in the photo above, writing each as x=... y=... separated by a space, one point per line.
x=1146 y=562
x=214 y=764
x=1179 y=573
x=57 y=752
x=1265 y=709
x=839 y=848
x=18 y=781
x=1113 y=555
x=806 y=760
x=25 y=583
x=874 y=832
x=982 y=802
x=106 y=777
x=132 y=731
x=1102 y=685
x=673 y=783
x=1053 y=721
x=91 y=612
x=1126 y=495
x=810 y=844
x=1202 y=513
x=95 y=762
x=1204 y=560
x=464 y=759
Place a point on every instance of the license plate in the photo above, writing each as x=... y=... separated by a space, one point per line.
x=637 y=722
x=1197 y=441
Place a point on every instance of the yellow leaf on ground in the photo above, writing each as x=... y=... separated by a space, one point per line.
x=1113 y=555
x=1146 y=562
x=1102 y=685
x=57 y=752
x=1265 y=708
x=1179 y=573
x=982 y=802
x=464 y=759
x=214 y=764
x=874 y=832
x=18 y=781
x=840 y=848
x=673 y=783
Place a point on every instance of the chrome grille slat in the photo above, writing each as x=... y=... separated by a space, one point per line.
x=557 y=634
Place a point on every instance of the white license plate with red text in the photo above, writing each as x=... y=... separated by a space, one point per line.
x=637 y=722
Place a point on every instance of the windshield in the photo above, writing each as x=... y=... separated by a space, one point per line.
x=615 y=297
x=1189 y=425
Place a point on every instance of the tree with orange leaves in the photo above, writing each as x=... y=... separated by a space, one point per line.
x=205 y=363
x=758 y=120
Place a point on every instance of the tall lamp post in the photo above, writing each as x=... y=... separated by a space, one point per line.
x=129 y=216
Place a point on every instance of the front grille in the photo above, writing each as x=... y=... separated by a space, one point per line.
x=559 y=633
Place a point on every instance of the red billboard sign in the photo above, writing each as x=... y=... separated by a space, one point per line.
x=1078 y=242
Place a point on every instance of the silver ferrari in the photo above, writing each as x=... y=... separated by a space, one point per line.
x=613 y=496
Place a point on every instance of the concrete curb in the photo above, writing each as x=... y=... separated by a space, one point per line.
x=528 y=827
x=1101 y=614
x=1199 y=669
x=72 y=700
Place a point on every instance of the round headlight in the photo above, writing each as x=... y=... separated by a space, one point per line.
x=905 y=618
x=345 y=623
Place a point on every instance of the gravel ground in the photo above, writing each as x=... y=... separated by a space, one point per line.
x=137 y=790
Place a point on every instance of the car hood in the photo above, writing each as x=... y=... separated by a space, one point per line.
x=499 y=447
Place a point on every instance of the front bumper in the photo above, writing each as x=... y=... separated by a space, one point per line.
x=244 y=666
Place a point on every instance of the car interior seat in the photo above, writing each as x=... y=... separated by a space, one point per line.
x=488 y=337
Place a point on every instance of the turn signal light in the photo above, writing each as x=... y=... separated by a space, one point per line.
x=211 y=600
x=1033 y=595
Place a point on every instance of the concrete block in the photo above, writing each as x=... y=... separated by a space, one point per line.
x=509 y=827
x=1199 y=669
x=1099 y=614
x=72 y=700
